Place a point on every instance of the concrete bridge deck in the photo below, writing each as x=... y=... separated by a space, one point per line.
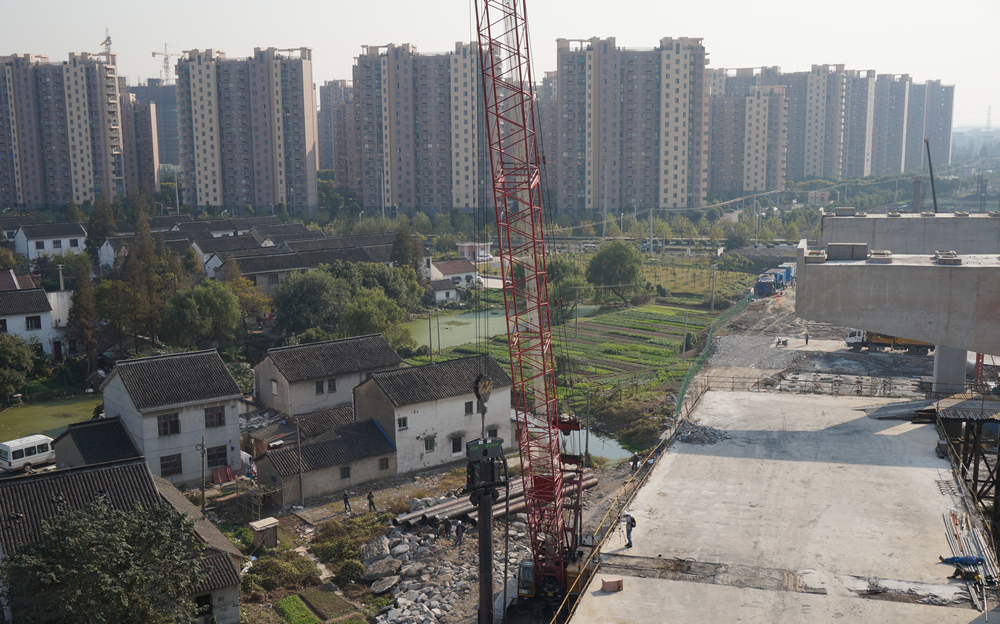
x=788 y=520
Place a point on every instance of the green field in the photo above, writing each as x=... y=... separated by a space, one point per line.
x=50 y=418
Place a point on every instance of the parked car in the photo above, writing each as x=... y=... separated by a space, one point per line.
x=26 y=452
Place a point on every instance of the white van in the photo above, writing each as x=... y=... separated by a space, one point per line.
x=24 y=452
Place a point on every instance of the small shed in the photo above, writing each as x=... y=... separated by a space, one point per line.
x=265 y=531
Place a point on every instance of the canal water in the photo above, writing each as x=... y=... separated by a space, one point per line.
x=459 y=329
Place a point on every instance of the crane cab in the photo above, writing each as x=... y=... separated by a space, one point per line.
x=526 y=579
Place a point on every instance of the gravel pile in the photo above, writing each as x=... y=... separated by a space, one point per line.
x=700 y=434
x=749 y=352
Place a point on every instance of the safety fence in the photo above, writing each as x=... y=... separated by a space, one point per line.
x=699 y=361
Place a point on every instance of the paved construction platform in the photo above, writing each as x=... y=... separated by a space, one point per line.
x=810 y=512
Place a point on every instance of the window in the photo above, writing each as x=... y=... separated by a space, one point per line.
x=170 y=465
x=468 y=407
x=57 y=244
x=456 y=445
x=167 y=424
x=43 y=448
x=319 y=387
x=204 y=604
x=331 y=385
x=39 y=244
x=401 y=423
x=217 y=456
x=492 y=432
x=32 y=322
x=429 y=445
x=215 y=417
x=3 y=326
x=18 y=454
x=272 y=279
x=28 y=452
x=345 y=472
x=74 y=242
x=274 y=387
x=383 y=463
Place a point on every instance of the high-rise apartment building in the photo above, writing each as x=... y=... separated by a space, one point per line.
x=889 y=126
x=248 y=129
x=815 y=120
x=165 y=98
x=929 y=116
x=335 y=109
x=418 y=119
x=859 y=122
x=60 y=130
x=632 y=126
x=748 y=128
x=141 y=151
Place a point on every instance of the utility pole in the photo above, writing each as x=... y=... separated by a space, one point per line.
x=485 y=457
x=430 y=335
x=177 y=194
x=650 y=232
x=201 y=447
x=298 y=446
x=437 y=312
x=713 y=286
x=684 y=343
x=586 y=443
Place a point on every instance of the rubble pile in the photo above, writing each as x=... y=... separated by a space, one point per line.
x=426 y=588
x=699 y=434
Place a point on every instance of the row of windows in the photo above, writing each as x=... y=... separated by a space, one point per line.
x=170 y=424
x=215 y=457
x=345 y=471
x=31 y=323
x=57 y=244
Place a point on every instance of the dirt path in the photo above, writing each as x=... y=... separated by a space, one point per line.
x=776 y=317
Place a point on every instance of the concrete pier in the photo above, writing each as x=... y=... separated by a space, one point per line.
x=949 y=369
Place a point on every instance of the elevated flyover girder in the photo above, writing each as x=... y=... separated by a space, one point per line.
x=910 y=296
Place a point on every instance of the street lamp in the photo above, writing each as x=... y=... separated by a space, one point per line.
x=272 y=208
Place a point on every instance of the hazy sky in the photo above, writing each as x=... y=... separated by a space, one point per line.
x=952 y=42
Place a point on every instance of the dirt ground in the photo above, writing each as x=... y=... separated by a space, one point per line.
x=775 y=316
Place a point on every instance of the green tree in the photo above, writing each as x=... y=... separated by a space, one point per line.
x=100 y=564
x=82 y=322
x=191 y=263
x=422 y=223
x=73 y=213
x=116 y=302
x=740 y=236
x=790 y=232
x=99 y=228
x=309 y=299
x=200 y=315
x=15 y=363
x=253 y=301
x=141 y=272
x=371 y=312
x=445 y=243
x=617 y=265
x=567 y=286
x=398 y=283
x=406 y=251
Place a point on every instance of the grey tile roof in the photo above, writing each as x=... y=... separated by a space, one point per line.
x=337 y=242
x=452 y=267
x=166 y=380
x=29 y=500
x=247 y=253
x=207 y=226
x=279 y=239
x=100 y=441
x=409 y=386
x=178 y=246
x=442 y=285
x=246 y=223
x=23 y=302
x=53 y=230
x=379 y=253
x=203 y=527
x=225 y=243
x=321 y=421
x=222 y=572
x=8 y=281
x=281 y=228
x=298 y=261
x=357 y=441
x=333 y=357
x=13 y=221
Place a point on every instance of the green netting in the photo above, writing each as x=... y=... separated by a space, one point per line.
x=699 y=361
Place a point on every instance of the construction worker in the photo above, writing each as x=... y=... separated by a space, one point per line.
x=629 y=525
x=347 y=502
x=459 y=532
x=371 y=501
x=447 y=527
x=635 y=462
x=436 y=523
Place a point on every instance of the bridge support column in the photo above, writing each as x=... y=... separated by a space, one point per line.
x=949 y=369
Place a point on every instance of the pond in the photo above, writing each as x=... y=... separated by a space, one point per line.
x=459 y=329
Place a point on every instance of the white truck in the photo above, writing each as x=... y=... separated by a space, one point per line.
x=874 y=341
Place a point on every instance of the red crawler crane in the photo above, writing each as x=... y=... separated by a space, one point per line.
x=510 y=135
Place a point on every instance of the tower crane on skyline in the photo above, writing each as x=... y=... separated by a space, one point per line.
x=165 y=71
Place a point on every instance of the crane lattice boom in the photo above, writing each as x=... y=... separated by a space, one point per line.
x=510 y=135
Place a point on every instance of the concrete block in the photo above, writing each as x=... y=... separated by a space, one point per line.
x=844 y=211
x=612 y=585
x=847 y=251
